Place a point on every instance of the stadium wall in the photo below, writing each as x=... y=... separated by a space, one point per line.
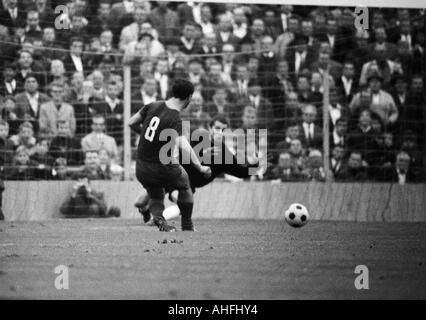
x=241 y=200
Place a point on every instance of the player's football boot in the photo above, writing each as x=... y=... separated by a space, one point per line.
x=162 y=225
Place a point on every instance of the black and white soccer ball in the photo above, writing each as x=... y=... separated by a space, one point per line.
x=297 y=215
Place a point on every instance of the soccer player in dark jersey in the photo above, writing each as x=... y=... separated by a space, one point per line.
x=215 y=149
x=155 y=168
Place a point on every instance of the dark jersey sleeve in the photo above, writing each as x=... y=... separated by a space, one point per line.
x=143 y=111
x=234 y=169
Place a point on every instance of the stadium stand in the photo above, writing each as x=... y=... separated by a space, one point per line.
x=262 y=66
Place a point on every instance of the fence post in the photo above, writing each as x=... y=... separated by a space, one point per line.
x=326 y=126
x=127 y=158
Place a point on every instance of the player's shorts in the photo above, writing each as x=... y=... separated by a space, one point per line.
x=156 y=175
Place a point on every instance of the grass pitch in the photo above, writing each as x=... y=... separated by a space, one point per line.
x=225 y=259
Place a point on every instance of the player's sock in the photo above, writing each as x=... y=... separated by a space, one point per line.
x=146 y=214
x=171 y=212
x=186 y=212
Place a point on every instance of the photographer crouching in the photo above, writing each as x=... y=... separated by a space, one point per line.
x=86 y=202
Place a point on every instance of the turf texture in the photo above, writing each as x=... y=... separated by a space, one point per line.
x=225 y=259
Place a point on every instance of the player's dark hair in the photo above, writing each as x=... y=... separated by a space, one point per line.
x=220 y=118
x=182 y=89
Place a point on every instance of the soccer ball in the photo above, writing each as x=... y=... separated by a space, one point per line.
x=297 y=215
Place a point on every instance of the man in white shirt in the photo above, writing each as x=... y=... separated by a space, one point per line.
x=161 y=74
x=312 y=133
x=382 y=102
x=188 y=42
x=405 y=27
x=32 y=28
x=196 y=10
x=74 y=60
x=347 y=84
x=28 y=102
x=336 y=160
x=132 y=31
x=224 y=32
x=32 y=96
x=55 y=111
x=209 y=43
x=11 y=16
x=12 y=8
x=9 y=85
x=308 y=31
x=331 y=32
x=97 y=139
x=298 y=56
x=195 y=71
x=228 y=51
x=149 y=46
x=263 y=106
x=338 y=135
x=206 y=19
x=149 y=91
x=402 y=165
x=240 y=23
x=112 y=109
x=242 y=80
x=400 y=94
x=286 y=13
x=401 y=172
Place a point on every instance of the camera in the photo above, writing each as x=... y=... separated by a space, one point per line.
x=82 y=191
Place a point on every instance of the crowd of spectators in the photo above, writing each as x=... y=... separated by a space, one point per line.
x=260 y=66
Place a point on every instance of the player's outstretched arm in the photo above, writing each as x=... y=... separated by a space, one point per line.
x=187 y=150
x=235 y=169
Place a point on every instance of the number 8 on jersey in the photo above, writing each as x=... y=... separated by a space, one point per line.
x=150 y=131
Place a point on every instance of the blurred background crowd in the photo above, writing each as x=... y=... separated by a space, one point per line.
x=259 y=66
